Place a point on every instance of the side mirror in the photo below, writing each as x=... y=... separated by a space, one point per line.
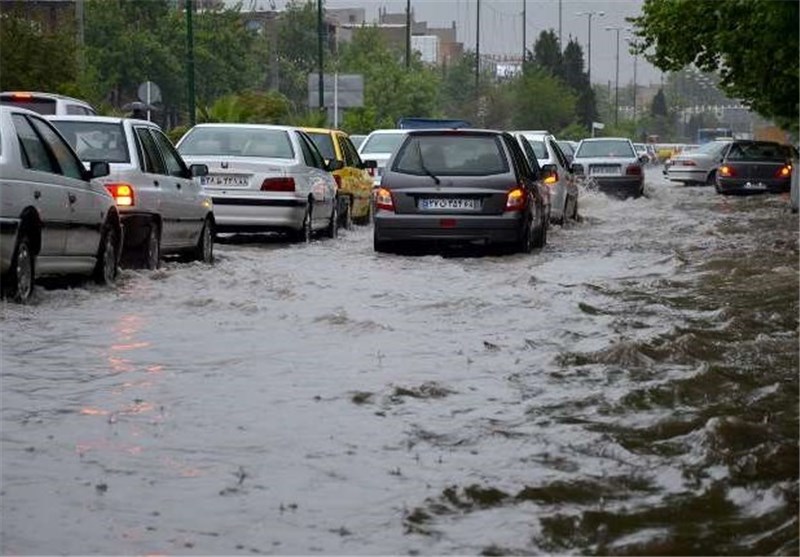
x=197 y=170
x=369 y=165
x=334 y=165
x=644 y=159
x=99 y=169
x=536 y=172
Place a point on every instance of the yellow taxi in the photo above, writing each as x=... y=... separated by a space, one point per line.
x=354 y=179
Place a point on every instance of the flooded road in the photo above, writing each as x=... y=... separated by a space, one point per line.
x=631 y=389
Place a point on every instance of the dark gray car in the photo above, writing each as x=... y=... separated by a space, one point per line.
x=459 y=186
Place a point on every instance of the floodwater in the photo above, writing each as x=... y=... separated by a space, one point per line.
x=630 y=389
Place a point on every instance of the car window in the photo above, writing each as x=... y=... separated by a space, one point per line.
x=538 y=146
x=95 y=141
x=68 y=162
x=350 y=153
x=451 y=155
x=605 y=148
x=559 y=155
x=566 y=148
x=153 y=163
x=36 y=104
x=237 y=142
x=34 y=153
x=521 y=167
x=311 y=154
x=756 y=152
x=382 y=143
x=324 y=143
x=528 y=150
x=173 y=161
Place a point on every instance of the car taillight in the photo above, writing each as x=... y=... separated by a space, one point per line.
x=278 y=184
x=551 y=178
x=727 y=171
x=122 y=194
x=338 y=181
x=383 y=199
x=516 y=199
x=22 y=96
x=784 y=172
x=633 y=170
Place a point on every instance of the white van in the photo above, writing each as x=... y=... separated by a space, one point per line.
x=46 y=103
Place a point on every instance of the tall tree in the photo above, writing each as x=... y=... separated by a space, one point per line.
x=547 y=52
x=542 y=101
x=752 y=43
x=578 y=80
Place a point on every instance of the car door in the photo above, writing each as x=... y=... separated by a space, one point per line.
x=321 y=182
x=154 y=172
x=86 y=203
x=564 y=171
x=182 y=193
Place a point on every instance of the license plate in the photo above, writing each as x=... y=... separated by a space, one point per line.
x=435 y=203
x=605 y=170
x=755 y=186
x=225 y=180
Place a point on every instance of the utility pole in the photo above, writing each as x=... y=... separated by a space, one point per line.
x=589 y=16
x=524 y=30
x=478 y=49
x=320 y=67
x=190 y=61
x=408 y=34
x=616 y=79
x=560 y=43
x=635 y=45
x=79 y=18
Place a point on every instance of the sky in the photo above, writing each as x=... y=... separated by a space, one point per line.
x=501 y=27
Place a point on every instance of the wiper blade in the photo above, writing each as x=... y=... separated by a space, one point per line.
x=425 y=168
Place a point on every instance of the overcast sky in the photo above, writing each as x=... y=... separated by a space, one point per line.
x=501 y=26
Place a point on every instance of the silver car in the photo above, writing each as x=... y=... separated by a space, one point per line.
x=264 y=178
x=163 y=209
x=611 y=163
x=556 y=174
x=54 y=220
x=379 y=145
x=697 y=166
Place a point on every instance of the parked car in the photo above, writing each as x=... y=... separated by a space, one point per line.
x=556 y=174
x=353 y=179
x=612 y=163
x=54 y=220
x=754 y=167
x=379 y=145
x=163 y=209
x=46 y=103
x=698 y=166
x=264 y=178
x=459 y=186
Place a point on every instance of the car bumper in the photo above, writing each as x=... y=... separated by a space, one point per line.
x=675 y=174
x=747 y=186
x=253 y=214
x=493 y=229
x=9 y=228
x=620 y=186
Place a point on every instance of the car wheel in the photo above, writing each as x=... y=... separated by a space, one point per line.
x=150 y=255
x=380 y=246
x=332 y=230
x=575 y=209
x=106 y=269
x=526 y=239
x=304 y=234
x=18 y=282
x=204 y=251
x=712 y=178
x=539 y=235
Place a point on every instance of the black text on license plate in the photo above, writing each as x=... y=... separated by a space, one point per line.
x=223 y=180
x=433 y=204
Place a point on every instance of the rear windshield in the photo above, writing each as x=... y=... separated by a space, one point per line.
x=451 y=155
x=37 y=104
x=96 y=141
x=609 y=148
x=757 y=152
x=324 y=143
x=237 y=142
x=382 y=143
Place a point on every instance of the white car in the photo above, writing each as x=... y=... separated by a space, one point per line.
x=46 y=103
x=697 y=166
x=380 y=145
x=612 y=164
x=264 y=178
x=54 y=220
x=163 y=209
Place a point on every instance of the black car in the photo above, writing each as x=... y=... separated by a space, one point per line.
x=450 y=186
x=754 y=167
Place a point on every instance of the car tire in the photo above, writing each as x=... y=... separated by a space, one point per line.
x=303 y=235
x=711 y=180
x=539 y=235
x=380 y=246
x=204 y=251
x=526 y=240
x=150 y=253
x=106 y=269
x=18 y=282
x=575 y=209
x=332 y=230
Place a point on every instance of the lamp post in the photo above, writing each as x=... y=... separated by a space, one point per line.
x=634 y=44
x=589 y=16
x=616 y=79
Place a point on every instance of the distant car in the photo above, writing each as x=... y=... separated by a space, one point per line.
x=556 y=174
x=46 y=103
x=357 y=139
x=754 y=167
x=612 y=163
x=459 y=186
x=353 y=179
x=568 y=148
x=163 y=209
x=265 y=178
x=54 y=220
x=379 y=145
x=698 y=166
x=642 y=152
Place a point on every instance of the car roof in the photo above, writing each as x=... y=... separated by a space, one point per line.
x=100 y=119
x=323 y=130
x=389 y=130
x=44 y=95
x=250 y=126
x=592 y=139
x=453 y=131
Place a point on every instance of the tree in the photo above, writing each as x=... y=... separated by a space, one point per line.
x=659 y=104
x=578 y=80
x=752 y=43
x=547 y=52
x=541 y=101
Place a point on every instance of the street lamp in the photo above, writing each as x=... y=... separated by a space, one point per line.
x=616 y=79
x=589 y=16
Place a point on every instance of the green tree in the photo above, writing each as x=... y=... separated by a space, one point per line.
x=547 y=52
x=578 y=80
x=542 y=101
x=659 y=105
x=752 y=43
x=297 y=50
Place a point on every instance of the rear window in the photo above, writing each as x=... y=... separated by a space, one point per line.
x=382 y=143
x=96 y=141
x=452 y=155
x=610 y=148
x=237 y=142
x=537 y=143
x=757 y=152
x=36 y=104
x=324 y=144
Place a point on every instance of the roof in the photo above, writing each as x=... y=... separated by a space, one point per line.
x=323 y=130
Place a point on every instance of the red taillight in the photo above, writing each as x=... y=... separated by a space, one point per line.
x=516 y=200
x=122 y=194
x=278 y=184
x=383 y=199
x=784 y=172
x=727 y=171
x=633 y=170
x=551 y=179
x=22 y=96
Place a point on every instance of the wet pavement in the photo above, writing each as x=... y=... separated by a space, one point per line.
x=630 y=389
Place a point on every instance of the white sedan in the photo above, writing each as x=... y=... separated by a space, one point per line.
x=264 y=178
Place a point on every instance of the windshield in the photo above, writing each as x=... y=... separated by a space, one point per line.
x=382 y=143
x=452 y=155
x=756 y=152
x=96 y=141
x=324 y=143
x=237 y=142
x=710 y=148
x=605 y=148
